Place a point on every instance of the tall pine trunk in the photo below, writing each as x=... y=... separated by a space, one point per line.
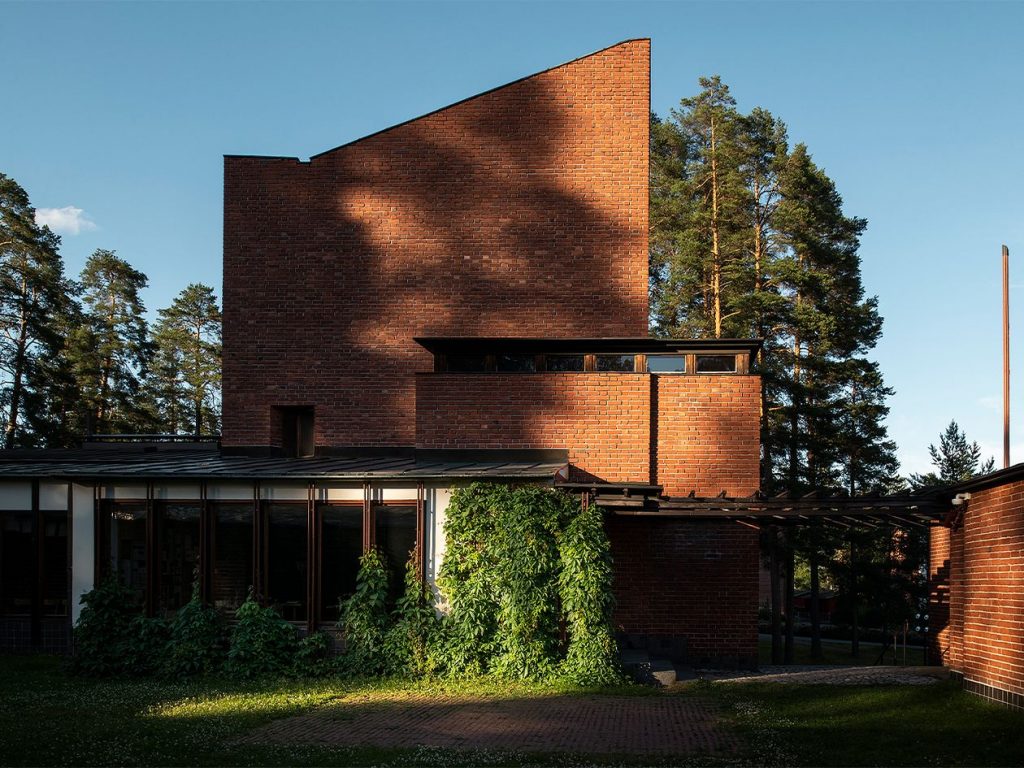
x=18 y=370
x=716 y=253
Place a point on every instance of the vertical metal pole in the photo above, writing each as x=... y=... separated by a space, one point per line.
x=1006 y=357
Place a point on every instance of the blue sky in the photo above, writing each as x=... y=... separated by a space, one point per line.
x=915 y=109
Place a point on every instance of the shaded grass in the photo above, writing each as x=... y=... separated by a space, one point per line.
x=870 y=725
x=48 y=718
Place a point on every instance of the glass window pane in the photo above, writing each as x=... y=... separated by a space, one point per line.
x=716 y=363
x=517 y=363
x=286 y=566
x=396 y=538
x=55 y=564
x=341 y=545
x=467 y=363
x=666 y=364
x=617 y=363
x=126 y=545
x=17 y=563
x=232 y=554
x=564 y=363
x=178 y=542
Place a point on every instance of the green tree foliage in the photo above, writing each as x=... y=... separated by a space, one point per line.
x=34 y=306
x=99 y=634
x=955 y=460
x=749 y=238
x=183 y=381
x=110 y=350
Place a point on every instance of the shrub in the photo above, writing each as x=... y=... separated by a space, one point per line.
x=364 y=617
x=313 y=656
x=408 y=644
x=262 y=643
x=143 y=645
x=196 y=642
x=103 y=627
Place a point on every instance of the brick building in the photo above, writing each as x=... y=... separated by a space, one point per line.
x=460 y=297
x=976 y=574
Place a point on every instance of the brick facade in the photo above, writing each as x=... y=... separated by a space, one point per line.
x=521 y=211
x=687 y=589
x=978 y=591
x=696 y=433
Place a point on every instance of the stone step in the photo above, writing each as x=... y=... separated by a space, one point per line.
x=644 y=669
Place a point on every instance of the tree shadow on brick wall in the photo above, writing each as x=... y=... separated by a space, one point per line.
x=499 y=216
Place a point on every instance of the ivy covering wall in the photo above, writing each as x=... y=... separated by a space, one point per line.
x=527 y=580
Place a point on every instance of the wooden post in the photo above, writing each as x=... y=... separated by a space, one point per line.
x=1006 y=357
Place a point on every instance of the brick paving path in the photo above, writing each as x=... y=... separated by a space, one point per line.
x=638 y=725
x=806 y=674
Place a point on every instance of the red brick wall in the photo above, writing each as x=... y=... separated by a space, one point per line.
x=703 y=429
x=940 y=632
x=603 y=419
x=694 y=580
x=522 y=211
x=708 y=434
x=986 y=589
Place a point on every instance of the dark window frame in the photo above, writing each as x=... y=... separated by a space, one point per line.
x=38 y=592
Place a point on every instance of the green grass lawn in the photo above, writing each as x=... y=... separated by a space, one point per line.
x=48 y=718
x=871 y=725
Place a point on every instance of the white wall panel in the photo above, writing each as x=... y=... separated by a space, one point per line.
x=53 y=497
x=177 y=491
x=229 y=491
x=15 y=495
x=82 y=546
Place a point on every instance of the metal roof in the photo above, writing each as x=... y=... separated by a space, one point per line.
x=210 y=464
x=623 y=345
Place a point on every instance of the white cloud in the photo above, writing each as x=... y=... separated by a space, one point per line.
x=68 y=220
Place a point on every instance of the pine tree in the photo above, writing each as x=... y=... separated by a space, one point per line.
x=184 y=376
x=110 y=351
x=33 y=303
x=955 y=459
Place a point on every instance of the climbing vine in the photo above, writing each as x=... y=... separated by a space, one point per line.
x=519 y=563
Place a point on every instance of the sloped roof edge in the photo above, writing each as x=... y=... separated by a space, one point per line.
x=478 y=95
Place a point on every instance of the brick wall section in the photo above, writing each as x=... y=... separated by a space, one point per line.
x=602 y=419
x=703 y=429
x=690 y=580
x=522 y=211
x=707 y=434
x=986 y=589
x=940 y=632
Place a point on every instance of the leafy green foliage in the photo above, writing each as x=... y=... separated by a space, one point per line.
x=143 y=646
x=364 y=616
x=197 y=640
x=410 y=640
x=107 y=613
x=262 y=643
x=313 y=656
x=518 y=561
x=585 y=587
